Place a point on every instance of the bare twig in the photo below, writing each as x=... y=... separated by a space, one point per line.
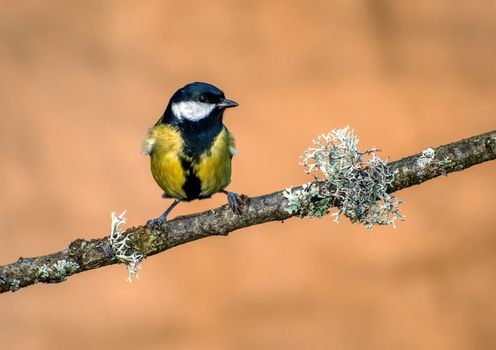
x=82 y=255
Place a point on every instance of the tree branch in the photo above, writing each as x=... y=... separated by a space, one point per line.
x=83 y=255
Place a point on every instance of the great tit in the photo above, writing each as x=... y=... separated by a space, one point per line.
x=190 y=148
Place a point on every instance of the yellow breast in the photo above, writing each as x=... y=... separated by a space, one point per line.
x=214 y=166
x=165 y=145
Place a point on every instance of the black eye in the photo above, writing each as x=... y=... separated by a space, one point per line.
x=203 y=98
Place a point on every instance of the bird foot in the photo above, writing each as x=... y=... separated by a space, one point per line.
x=162 y=218
x=236 y=202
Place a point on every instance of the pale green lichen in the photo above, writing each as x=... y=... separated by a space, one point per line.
x=64 y=268
x=356 y=182
x=443 y=163
x=15 y=285
x=42 y=272
x=305 y=197
x=446 y=161
x=426 y=157
x=120 y=246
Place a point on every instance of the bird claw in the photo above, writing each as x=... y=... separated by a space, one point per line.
x=162 y=218
x=236 y=202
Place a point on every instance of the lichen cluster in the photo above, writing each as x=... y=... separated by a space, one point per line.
x=426 y=157
x=15 y=285
x=122 y=249
x=64 y=268
x=353 y=181
x=42 y=272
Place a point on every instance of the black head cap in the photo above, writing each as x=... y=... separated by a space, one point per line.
x=201 y=92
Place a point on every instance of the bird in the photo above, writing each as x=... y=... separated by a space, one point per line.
x=191 y=149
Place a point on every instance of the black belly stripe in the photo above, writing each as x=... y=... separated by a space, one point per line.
x=192 y=185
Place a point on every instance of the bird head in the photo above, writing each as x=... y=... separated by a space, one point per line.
x=198 y=101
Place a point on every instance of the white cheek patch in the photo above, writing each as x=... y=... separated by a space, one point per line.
x=192 y=110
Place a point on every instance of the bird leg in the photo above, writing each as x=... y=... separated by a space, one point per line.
x=163 y=217
x=235 y=201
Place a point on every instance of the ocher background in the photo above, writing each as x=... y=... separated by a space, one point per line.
x=81 y=81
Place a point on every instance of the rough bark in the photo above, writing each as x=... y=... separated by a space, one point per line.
x=83 y=255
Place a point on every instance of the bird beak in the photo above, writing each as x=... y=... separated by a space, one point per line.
x=225 y=103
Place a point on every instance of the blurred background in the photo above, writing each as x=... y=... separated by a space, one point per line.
x=81 y=81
